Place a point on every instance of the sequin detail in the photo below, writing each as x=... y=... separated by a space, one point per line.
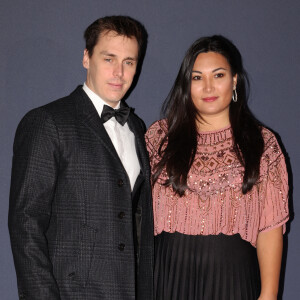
x=214 y=202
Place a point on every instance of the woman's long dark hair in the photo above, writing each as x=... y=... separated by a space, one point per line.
x=181 y=114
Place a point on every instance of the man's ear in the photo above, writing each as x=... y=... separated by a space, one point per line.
x=86 y=59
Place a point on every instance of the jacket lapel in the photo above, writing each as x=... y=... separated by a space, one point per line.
x=136 y=127
x=88 y=115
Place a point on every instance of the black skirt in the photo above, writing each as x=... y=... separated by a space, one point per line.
x=214 y=267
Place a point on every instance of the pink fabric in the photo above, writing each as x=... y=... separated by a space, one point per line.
x=215 y=204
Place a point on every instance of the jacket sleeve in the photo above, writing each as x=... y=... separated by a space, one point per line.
x=33 y=180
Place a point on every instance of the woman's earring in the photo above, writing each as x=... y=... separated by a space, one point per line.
x=234 y=96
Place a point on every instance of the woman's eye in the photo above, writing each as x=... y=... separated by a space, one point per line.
x=197 y=77
x=219 y=75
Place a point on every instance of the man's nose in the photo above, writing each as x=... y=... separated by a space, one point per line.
x=118 y=70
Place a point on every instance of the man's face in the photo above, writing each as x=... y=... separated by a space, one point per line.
x=111 y=68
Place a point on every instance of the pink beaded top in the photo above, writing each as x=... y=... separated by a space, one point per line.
x=214 y=202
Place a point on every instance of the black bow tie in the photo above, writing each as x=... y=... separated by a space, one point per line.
x=120 y=114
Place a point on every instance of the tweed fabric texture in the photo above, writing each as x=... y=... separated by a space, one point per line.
x=71 y=218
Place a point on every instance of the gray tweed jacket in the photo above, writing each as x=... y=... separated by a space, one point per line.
x=77 y=231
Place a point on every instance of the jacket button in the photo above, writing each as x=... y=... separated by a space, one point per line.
x=121 y=247
x=120 y=182
x=121 y=215
x=72 y=274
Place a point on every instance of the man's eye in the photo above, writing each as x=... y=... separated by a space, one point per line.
x=108 y=59
x=129 y=62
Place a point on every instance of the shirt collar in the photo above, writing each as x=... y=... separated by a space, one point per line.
x=97 y=101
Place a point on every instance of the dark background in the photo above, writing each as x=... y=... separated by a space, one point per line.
x=40 y=60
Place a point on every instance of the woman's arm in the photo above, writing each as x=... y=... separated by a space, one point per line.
x=269 y=253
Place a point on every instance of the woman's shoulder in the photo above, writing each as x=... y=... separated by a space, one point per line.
x=154 y=135
x=272 y=149
x=158 y=128
x=267 y=134
x=270 y=139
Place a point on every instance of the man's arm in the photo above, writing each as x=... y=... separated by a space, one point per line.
x=34 y=173
x=269 y=252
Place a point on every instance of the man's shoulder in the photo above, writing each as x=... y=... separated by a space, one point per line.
x=59 y=107
x=60 y=111
x=65 y=102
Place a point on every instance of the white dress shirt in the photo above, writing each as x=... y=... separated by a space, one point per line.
x=121 y=136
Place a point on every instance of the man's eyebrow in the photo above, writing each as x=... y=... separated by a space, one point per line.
x=215 y=70
x=106 y=53
x=130 y=58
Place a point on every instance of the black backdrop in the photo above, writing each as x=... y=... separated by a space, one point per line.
x=41 y=53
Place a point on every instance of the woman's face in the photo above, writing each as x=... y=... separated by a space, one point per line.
x=212 y=86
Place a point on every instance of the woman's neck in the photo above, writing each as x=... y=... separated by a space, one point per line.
x=212 y=124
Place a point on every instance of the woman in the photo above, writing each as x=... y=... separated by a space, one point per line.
x=220 y=187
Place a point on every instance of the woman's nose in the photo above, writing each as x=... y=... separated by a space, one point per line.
x=208 y=85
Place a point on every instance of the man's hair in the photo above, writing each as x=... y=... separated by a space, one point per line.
x=122 y=25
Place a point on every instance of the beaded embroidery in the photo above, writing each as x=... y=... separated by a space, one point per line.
x=214 y=202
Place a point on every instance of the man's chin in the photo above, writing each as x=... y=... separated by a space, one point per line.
x=116 y=97
x=112 y=101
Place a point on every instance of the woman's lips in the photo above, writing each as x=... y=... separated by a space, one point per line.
x=209 y=99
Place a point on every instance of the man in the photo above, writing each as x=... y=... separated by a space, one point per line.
x=80 y=215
